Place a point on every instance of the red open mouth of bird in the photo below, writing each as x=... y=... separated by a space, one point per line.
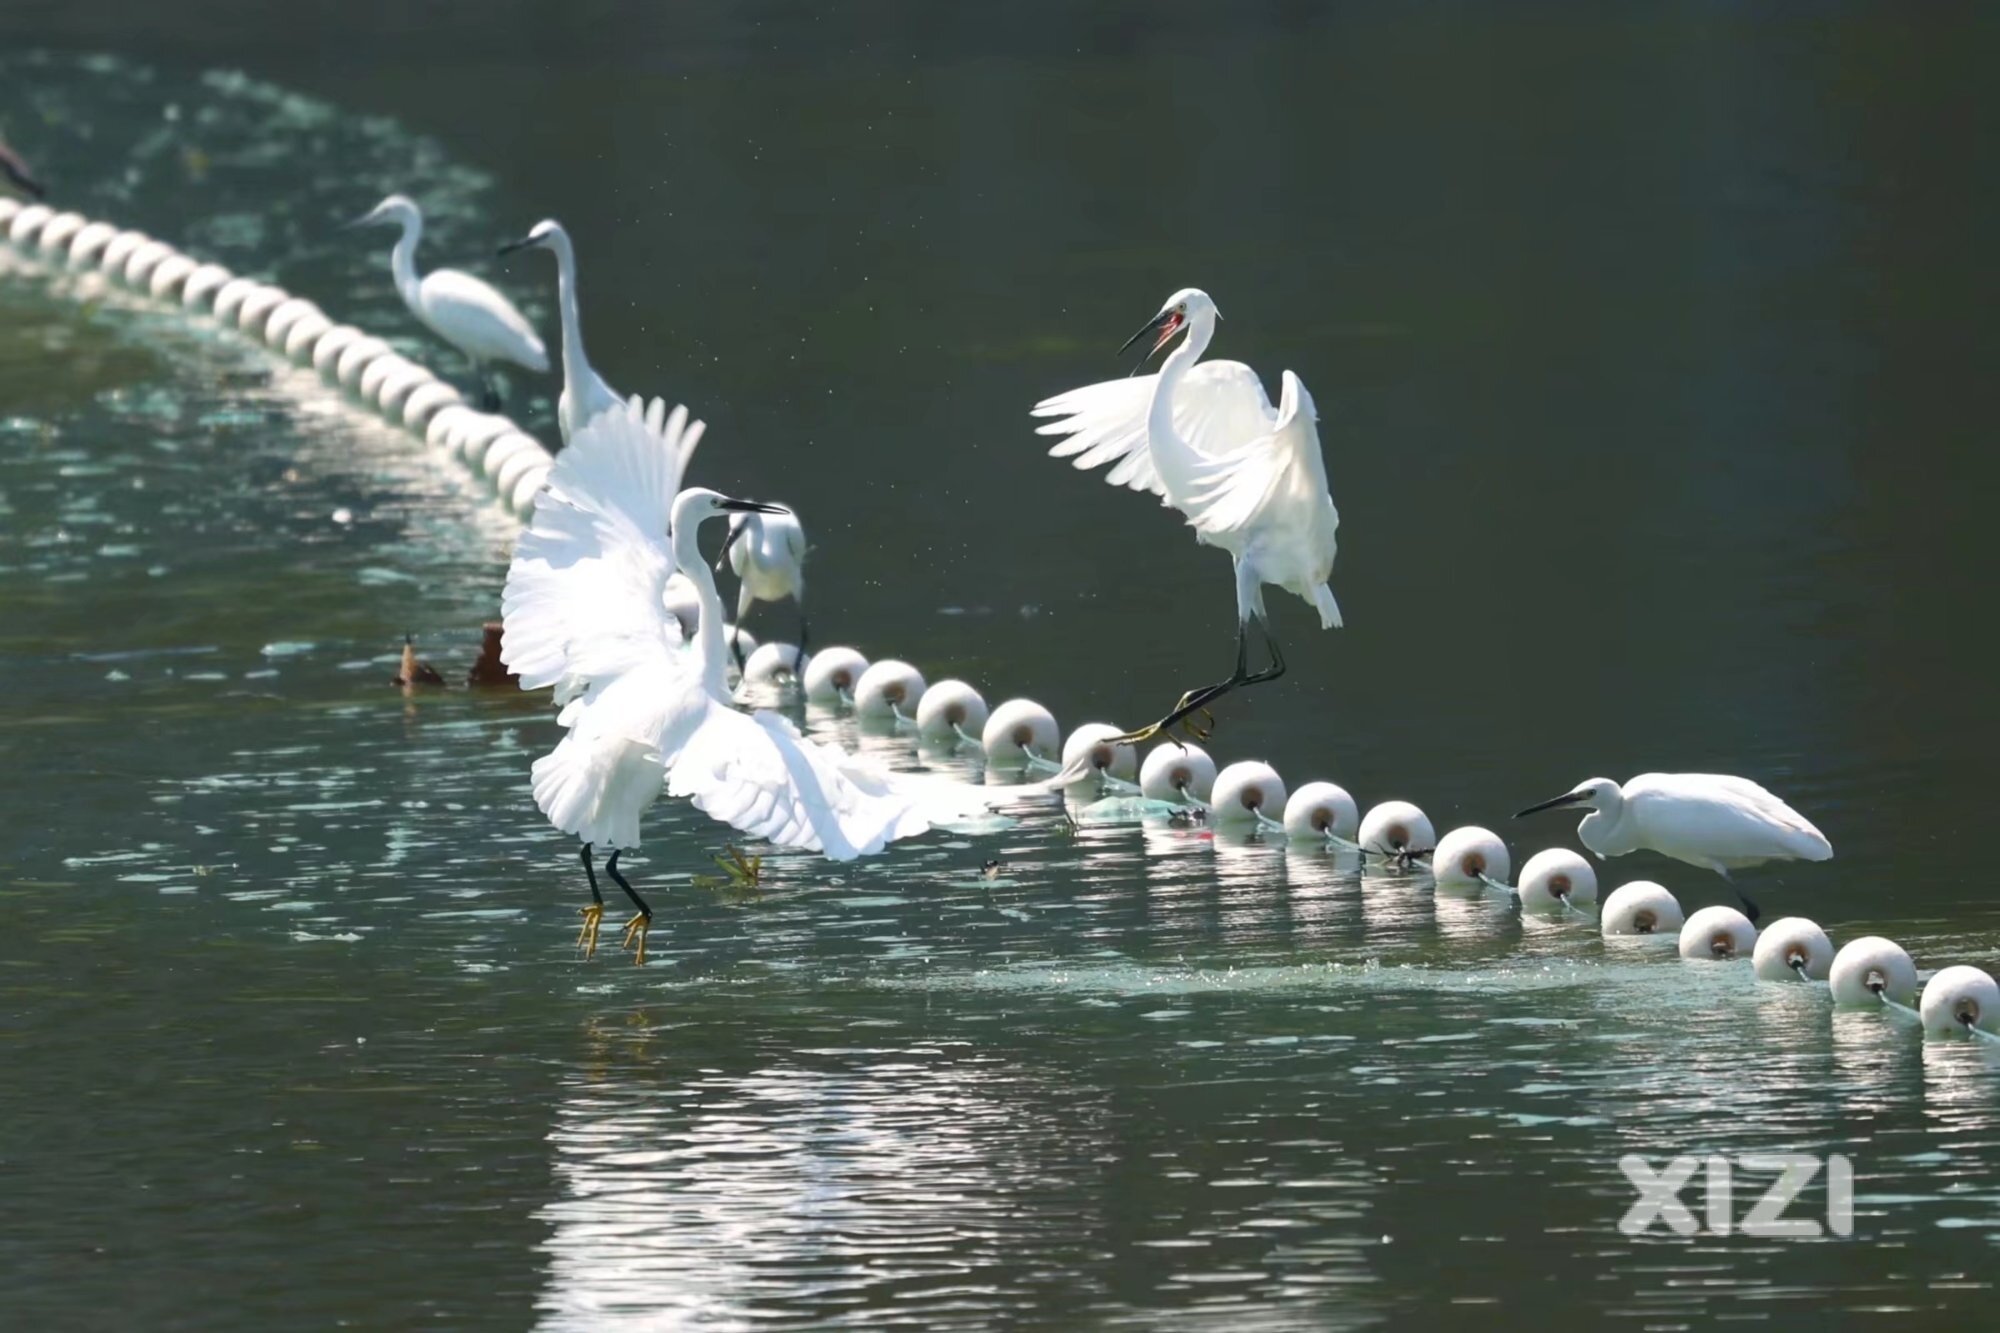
x=1167 y=331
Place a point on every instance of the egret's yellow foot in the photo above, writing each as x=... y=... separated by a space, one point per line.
x=586 y=939
x=635 y=936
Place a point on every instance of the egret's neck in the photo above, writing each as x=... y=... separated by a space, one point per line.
x=1172 y=458
x=1603 y=831
x=575 y=364
x=708 y=639
x=403 y=259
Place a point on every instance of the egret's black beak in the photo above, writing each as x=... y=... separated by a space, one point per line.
x=512 y=246
x=1168 y=322
x=1553 y=803
x=750 y=507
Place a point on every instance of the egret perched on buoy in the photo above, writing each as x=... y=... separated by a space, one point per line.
x=584 y=392
x=768 y=554
x=459 y=308
x=1249 y=477
x=1710 y=820
x=585 y=611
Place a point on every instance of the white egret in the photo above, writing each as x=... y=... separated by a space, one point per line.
x=457 y=307
x=768 y=554
x=584 y=392
x=586 y=611
x=1710 y=820
x=1206 y=439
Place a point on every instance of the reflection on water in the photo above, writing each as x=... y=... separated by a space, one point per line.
x=298 y=1027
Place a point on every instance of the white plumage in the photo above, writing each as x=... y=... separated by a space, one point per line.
x=459 y=308
x=767 y=553
x=584 y=392
x=585 y=611
x=1711 y=820
x=1249 y=478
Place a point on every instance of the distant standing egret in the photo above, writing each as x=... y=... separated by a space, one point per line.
x=14 y=169
x=768 y=554
x=585 y=609
x=584 y=392
x=1710 y=820
x=459 y=308
x=1249 y=478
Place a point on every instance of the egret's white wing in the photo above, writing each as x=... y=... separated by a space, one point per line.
x=758 y=774
x=470 y=313
x=584 y=594
x=1732 y=821
x=1219 y=408
x=1278 y=471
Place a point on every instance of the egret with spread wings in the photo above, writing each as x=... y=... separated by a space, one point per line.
x=644 y=711
x=1207 y=441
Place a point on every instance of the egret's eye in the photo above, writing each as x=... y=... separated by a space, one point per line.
x=1181 y=309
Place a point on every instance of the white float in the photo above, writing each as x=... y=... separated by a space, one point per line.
x=1717 y=932
x=832 y=674
x=1247 y=792
x=1471 y=858
x=1179 y=772
x=1961 y=998
x=1641 y=908
x=1792 y=948
x=1871 y=969
x=951 y=711
x=1555 y=877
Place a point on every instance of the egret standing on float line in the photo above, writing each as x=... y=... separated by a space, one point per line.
x=457 y=307
x=1249 y=478
x=14 y=170
x=1710 y=820
x=768 y=554
x=584 y=392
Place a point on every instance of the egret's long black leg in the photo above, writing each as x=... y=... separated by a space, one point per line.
x=1750 y=909
x=593 y=915
x=1195 y=699
x=799 y=662
x=489 y=393
x=1198 y=700
x=638 y=925
x=736 y=645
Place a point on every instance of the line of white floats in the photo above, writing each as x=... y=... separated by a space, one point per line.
x=1020 y=733
x=405 y=393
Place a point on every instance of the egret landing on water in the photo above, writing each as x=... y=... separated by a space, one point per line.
x=1249 y=477
x=1709 y=820
x=585 y=611
x=584 y=392
x=457 y=307
x=768 y=554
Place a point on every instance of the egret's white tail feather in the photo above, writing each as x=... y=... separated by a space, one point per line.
x=1329 y=610
x=596 y=787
